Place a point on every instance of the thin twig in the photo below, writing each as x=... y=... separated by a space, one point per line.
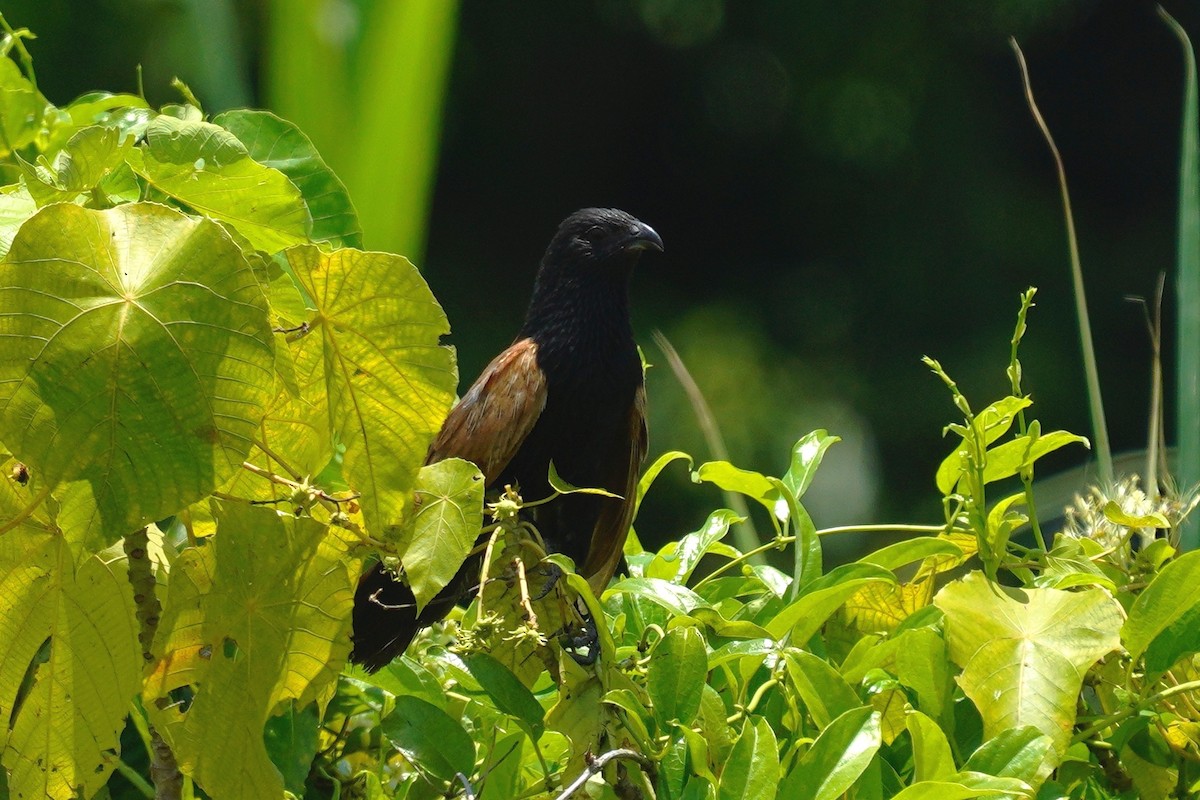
x=468 y=789
x=598 y=763
x=271 y=454
x=530 y=617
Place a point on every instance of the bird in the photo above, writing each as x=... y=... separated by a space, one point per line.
x=569 y=391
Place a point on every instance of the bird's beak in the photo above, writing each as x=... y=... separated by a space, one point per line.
x=643 y=237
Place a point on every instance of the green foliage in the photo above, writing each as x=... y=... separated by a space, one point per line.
x=218 y=409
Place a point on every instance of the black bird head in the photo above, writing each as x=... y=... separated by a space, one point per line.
x=582 y=285
x=599 y=239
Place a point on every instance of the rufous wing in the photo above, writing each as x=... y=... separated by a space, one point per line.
x=496 y=414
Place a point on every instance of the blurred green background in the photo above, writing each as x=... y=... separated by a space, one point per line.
x=842 y=186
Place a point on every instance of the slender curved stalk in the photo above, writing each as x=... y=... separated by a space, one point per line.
x=1188 y=287
x=1104 y=458
x=745 y=534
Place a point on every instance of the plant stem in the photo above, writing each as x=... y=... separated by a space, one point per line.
x=1112 y=719
x=780 y=541
x=745 y=535
x=1095 y=404
x=133 y=776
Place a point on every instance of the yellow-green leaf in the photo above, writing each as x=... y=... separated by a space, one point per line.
x=73 y=631
x=446 y=523
x=205 y=167
x=277 y=143
x=258 y=616
x=371 y=370
x=137 y=356
x=1024 y=652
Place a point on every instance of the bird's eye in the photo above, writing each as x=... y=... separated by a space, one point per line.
x=593 y=234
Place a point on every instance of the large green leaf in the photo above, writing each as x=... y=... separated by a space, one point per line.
x=950 y=790
x=932 y=759
x=445 y=525
x=277 y=143
x=835 y=760
x=72 y=631
x=430 y=738
x=1164 y=622
x=805 y=616
x=371 y=370
x=137 y=356
x=507 y=692
x=1024 y=652
x=255 y=618
x=825 y=693
x=918 y=548
x=205 y=167
x=752 y=770
x=675 y=676
x=1022 y=753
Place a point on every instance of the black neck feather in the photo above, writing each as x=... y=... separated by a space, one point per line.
x=580 y=321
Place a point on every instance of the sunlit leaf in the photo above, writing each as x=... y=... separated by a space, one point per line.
x=1119 y=516
x=1024 y=753
x=371 y=370
x=932 y=759
x=1024 y=652
x=825 y=693
x=87 y=158
x=205 y=167
x=806 y=457
x=1006 y=460
x=752 y=771
x=918 y=548
x=734 y=479
x=805 y=616
x=835 y=760
x=445 y=525
x=16 y=206
x=246 y=627
x=990 y=424
x=1164 y=622
x=676 y=561
x=137 y=356
x=277 y=143
x=676 y=673
x=72 y=631
x=21 y=107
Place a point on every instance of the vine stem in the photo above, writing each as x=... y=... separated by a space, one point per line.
x=1112 y=719
x=780 y=541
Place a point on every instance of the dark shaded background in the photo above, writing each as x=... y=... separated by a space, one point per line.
x=842 y=186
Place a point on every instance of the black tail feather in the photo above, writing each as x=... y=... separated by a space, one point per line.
x=385 y=613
